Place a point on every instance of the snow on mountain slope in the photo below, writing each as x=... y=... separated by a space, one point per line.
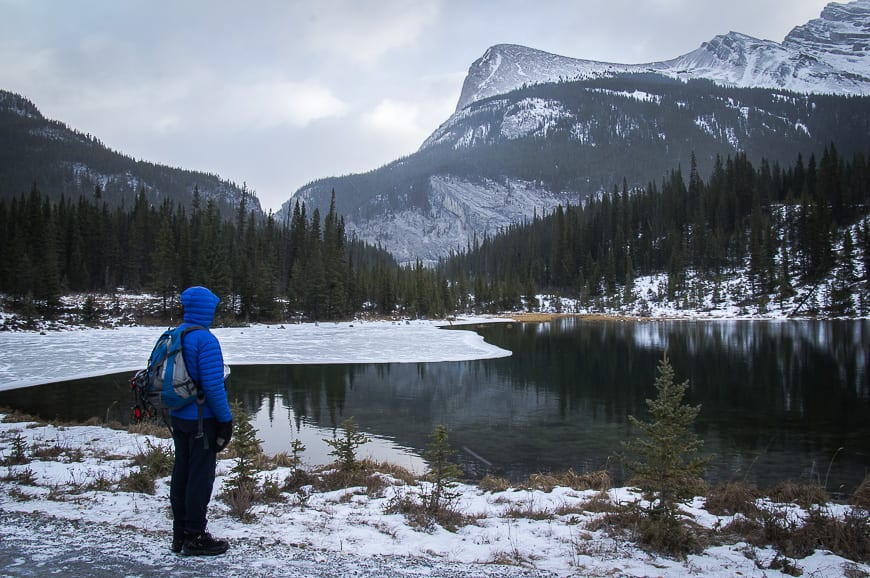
x=505 y=67
x=528 y=117
x=830 y=54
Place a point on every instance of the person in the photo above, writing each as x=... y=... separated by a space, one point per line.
x=196 y=449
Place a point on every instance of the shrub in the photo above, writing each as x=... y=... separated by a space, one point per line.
x=416 y=511
x=297 y=480
x=663 y=531
x=157 y=460
x=17 y=452
x=24 y=476
x=140 y=481
x=848 y=537
x=413 y=509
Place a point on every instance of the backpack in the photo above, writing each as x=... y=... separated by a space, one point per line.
x=165 y=383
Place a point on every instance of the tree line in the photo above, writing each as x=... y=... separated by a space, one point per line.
x=264 y=270
x=784 y=225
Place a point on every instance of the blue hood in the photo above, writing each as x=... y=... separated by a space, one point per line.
x=199 y=306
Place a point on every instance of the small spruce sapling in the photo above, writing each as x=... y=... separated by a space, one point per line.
x=442 y=473
x=240 y=489
x=667 y=463
x=296 y=449
x=344 y=448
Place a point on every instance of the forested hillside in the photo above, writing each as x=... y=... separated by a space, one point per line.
x=798 y=235
x=62 y=162
x=262 y=269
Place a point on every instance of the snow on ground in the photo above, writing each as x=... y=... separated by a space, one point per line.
x=70 y=517
x=31 y=358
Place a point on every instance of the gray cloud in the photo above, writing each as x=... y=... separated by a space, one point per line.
x=277 y=93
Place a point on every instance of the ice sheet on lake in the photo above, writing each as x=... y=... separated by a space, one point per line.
x=30 y=358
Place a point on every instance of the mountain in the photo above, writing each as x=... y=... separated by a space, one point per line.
x=533 y=130
x=62 y=161
x=830 y=54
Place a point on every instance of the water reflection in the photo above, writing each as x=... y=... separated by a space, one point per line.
x=780 y=400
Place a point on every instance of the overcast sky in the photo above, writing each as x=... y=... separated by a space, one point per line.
x=278 y=93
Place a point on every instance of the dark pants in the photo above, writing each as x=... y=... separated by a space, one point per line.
x=192 y=475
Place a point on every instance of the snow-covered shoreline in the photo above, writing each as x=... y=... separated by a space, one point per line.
x=63 y=509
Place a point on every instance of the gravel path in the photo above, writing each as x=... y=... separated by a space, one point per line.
x=39 y=545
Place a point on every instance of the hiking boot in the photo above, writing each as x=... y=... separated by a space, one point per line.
x=177 y=544
x=177 y=540
x=203 y=545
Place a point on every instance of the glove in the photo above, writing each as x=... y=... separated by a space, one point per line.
x=224 y=434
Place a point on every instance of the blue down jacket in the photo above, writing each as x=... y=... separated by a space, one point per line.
x=203 y=356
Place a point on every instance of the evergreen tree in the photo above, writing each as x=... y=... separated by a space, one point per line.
x=842 y=288
x=345 y=448
x=163 y=262
x=240 y=489
x=442 y=472
x=665 y=462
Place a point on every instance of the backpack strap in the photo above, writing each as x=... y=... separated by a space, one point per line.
x=200 y=394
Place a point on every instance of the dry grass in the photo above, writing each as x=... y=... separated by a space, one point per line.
x=375 y=477
x=599 y=503
x=15 y=416
x=528 y=510
x=848 y=537
x=240 y=499
x=152 y=427
x=804 y=495
x=283 y=460
x=599 y=480
x=861 y=497
x=733 y=498
x=494 y=484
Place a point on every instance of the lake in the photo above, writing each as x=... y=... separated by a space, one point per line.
x=784 y=400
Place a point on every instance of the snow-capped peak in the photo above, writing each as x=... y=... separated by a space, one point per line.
x=830 y=54
x=505 y=67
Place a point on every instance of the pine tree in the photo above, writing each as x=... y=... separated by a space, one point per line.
x=240 y=489
x=163 y=262
x=841 y=290
x=442 y=473
x=344 y=448
x=666 y=462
